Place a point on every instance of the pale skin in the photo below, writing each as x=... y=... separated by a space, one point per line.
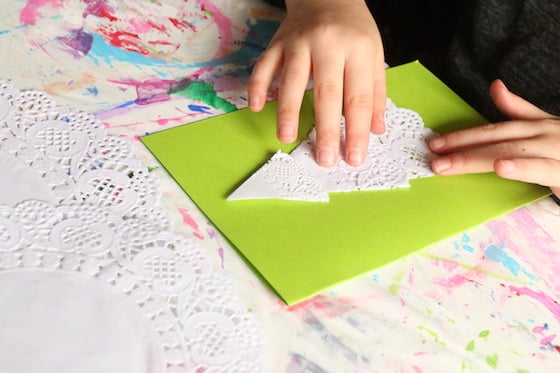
x=525 y=148
x=337 y=42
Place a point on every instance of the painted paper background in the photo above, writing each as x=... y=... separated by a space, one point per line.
x=483 y=301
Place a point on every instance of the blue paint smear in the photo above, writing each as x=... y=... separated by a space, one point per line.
x=4 y=32
x=258 y=37
x=93 y=90
x=199 y=109
x=306 y=364
x=125 y=104
x=121 y=106
x=329 y=338
x=496 y=254
x=465 y=239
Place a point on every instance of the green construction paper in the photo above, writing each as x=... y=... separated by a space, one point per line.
x=303 y=248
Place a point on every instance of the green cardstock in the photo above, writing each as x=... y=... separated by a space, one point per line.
x=302 y=248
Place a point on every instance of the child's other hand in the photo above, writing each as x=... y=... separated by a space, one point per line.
x=526 y=148
x=338 y=43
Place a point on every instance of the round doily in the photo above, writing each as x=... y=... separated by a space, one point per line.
x=92 y=276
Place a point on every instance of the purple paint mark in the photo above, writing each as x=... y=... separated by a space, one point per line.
x=211 y=233
x=78 y=42
x=99 y=8
x=221 y=255
x=157 y=90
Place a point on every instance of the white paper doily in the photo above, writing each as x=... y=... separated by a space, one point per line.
x=92 y=279
x=400 y=154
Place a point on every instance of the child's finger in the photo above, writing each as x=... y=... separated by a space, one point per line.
x=512 y=105
x=328 y=73
x=379 y=95
x=485 y=134
x=481 y=159
x=293 y=81
x=358 y=108
x=542 y=171
x=263 y=73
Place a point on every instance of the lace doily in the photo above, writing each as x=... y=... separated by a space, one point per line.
x=91 y=276
x=401 y=153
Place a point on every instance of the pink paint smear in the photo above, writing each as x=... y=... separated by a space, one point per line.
x=188 y=220
x=544 y=299
x=30 y=12
x=536 y=248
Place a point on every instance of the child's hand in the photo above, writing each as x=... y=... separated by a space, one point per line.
x=527 y=148
x=336 y=41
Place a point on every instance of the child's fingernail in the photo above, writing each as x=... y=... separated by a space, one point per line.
x=507 y=166
x=286 y=132
x=437 y=143
x=326 y=156
x=355 y=156
x=441 y=165
x=254 y=101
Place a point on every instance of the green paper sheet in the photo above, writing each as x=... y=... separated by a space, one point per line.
x=303 y=248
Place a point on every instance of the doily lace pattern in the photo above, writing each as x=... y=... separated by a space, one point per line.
x=94 y=212
x=394 y=158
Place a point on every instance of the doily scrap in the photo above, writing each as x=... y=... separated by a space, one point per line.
x=92 y=277
x=398 y=155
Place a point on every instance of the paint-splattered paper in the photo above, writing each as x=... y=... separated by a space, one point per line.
x=301 y=250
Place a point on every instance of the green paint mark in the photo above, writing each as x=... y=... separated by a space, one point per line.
x=470 y=268
x=492 y=361
x=470 y=346
x=429 y=311
x=207 y=13
x=484 y=333
x=394 y=289
x=523 y=371
x=515 y=352
x=204 y=92
x=463 y=366
x=398 y=276
x=152 y=168
x=433 y=334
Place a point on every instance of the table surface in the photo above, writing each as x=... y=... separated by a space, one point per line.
x=483 y=300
